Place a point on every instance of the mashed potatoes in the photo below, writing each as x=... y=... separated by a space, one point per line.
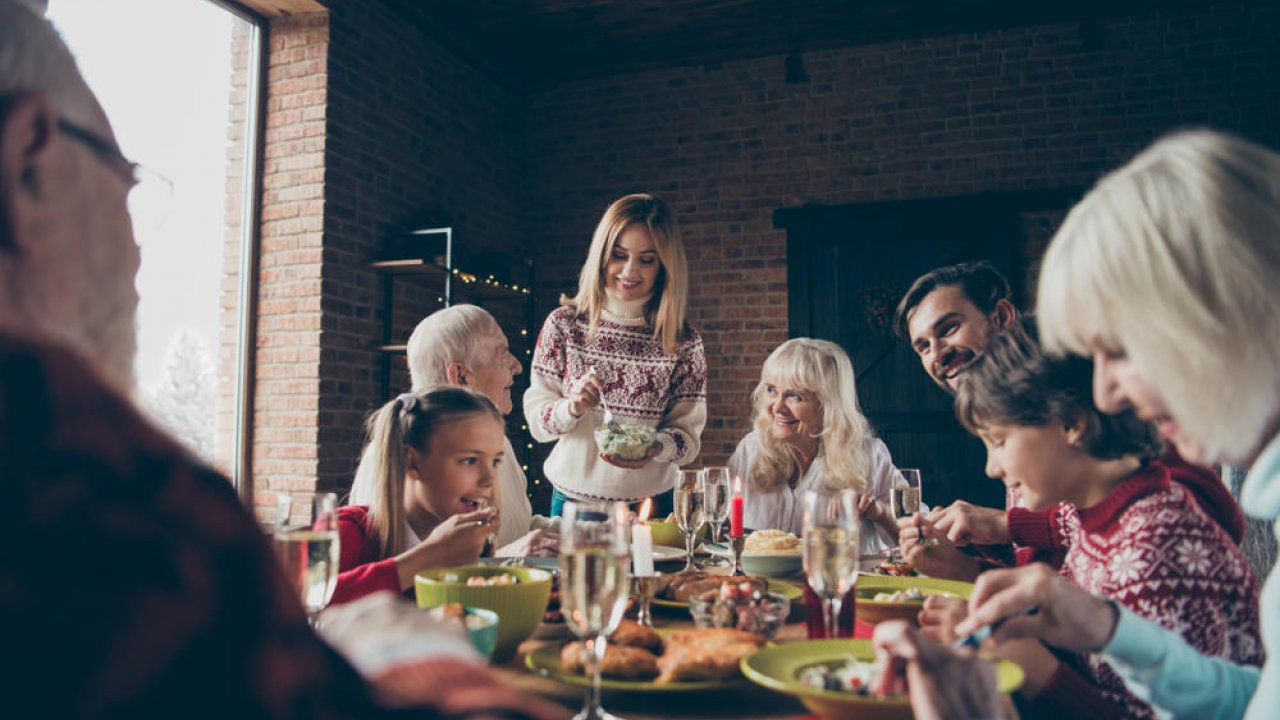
x=772 y=542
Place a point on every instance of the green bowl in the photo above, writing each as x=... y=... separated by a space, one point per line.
x=668 y=533
x=519 y=606
x=778 y=667
x=873 y=613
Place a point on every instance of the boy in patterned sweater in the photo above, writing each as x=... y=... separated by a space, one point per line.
x=1133 y=535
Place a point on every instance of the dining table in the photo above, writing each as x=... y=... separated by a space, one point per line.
x=741 y=699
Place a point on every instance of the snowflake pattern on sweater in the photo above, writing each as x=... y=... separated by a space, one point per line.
x=1149 y=547
x=641 y=384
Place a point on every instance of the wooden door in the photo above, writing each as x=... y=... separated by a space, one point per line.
x=847 y=268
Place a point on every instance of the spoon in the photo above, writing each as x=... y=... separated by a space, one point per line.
x=608 y=414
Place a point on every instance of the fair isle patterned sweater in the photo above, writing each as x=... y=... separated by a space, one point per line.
x=1149 y=547
x=642 y=385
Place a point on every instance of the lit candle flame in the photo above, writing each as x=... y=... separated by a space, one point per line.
x=645 y=508
x=737 y=484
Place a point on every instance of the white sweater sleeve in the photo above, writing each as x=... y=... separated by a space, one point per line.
x=545 y=406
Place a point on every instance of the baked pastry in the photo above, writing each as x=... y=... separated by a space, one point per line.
x=633 y=634
x=620 y=661
x=705 y=654
x=683 y=587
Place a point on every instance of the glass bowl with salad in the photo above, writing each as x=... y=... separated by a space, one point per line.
x=625 y=441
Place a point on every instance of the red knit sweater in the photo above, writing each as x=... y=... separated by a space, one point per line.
x=1150 y=547
x=360 y=571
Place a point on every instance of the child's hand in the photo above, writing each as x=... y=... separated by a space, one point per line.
x=584 y=393
x=966 y=524
x=460 y=539
x=929 y=551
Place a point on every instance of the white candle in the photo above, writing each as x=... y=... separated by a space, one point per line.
x=642 y=550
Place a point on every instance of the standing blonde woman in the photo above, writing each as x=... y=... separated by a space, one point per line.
x=621 y=341
x=1166 y=274
x=810 y=434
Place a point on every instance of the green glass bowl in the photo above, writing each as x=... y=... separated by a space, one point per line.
x=778 y=668
x=519 y=606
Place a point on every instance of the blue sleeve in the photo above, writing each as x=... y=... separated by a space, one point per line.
x=1160 y=667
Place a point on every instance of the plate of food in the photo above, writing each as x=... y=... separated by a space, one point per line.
x=771 y=553
x=884 y=597
x=833 y=678
x=665 y=553
x=675 y=590
x=640 y=659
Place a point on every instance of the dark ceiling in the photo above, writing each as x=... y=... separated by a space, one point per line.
x=536 y=42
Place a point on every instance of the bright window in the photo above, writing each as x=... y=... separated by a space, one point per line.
x=177 y=79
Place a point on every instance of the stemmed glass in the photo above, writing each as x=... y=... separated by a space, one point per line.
x=830 y=533
x=689 y=507
x=309 y=554
x=905 y=502
x=594 y=560
x=715 y=491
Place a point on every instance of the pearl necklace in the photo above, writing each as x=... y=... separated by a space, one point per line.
x=624 y=318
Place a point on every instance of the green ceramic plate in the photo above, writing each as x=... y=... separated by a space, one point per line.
x=546 y=661
x=777 y=667
x=785 y=589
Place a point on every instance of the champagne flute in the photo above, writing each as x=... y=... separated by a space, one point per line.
x=309 y=554
x=594 y=584
x=830 y=530
x=905 y=502
x=689 y=507
x=715 y=492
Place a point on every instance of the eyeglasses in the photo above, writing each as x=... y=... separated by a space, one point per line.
x=106 y=151
x=149 y=191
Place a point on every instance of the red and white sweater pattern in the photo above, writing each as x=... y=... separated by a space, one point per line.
x=1150 y=547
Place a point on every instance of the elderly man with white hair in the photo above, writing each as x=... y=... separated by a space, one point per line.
x=463 y=345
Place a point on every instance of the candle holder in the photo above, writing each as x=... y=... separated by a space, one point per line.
x=736 y=544
x=644 y=587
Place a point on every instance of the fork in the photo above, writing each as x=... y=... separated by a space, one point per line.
x=608 y=414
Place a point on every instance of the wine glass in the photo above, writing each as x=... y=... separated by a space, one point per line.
x=715 y=493
x=594 y=584
x=830 y=534
x=905 y=502
x=309 y=554
x=689 y=506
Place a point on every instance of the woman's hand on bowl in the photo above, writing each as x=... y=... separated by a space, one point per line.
x=941 y=682
x=616 y=461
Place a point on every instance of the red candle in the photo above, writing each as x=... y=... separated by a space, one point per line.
x=736 y=509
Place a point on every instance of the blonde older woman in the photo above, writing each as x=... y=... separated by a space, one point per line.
x=810 y=434
x=1166 y=274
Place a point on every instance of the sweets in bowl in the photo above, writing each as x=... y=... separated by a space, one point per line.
x=741 y=606
x=628 y=441
x=519 y=601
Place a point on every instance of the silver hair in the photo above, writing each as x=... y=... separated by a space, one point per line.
x=33 y=58
x=443 y=337
x=1173 y=260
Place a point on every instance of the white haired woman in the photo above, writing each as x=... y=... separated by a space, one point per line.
x=810 y=434
x=1166 y=275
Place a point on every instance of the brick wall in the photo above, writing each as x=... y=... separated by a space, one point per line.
x=728 y=144
x=404 y=126
x=287 y=390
